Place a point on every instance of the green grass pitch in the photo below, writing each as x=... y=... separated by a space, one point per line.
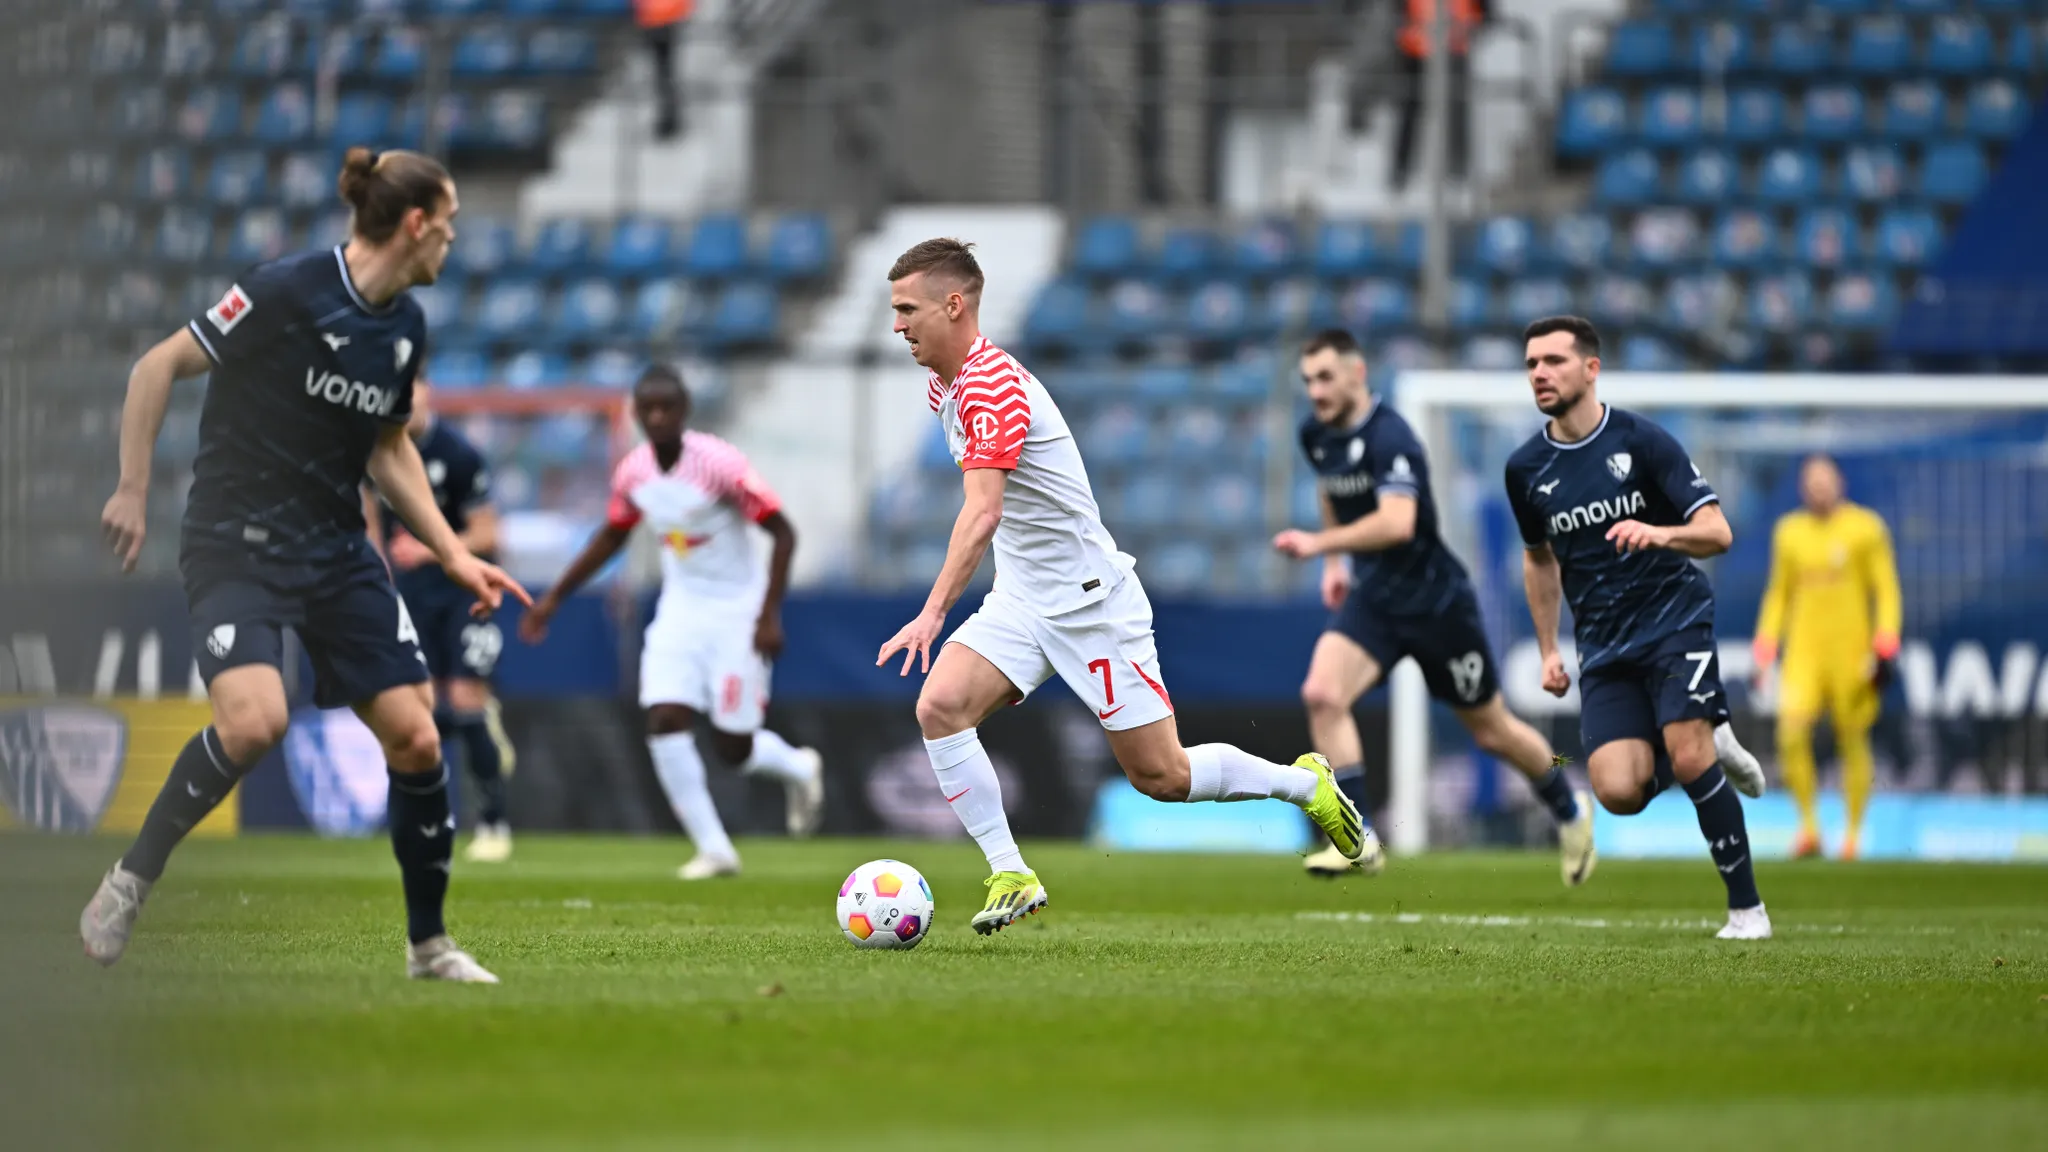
x=1459 y=1001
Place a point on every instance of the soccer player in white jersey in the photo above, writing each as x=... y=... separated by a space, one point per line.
x=1065 y=601
x=718 y=623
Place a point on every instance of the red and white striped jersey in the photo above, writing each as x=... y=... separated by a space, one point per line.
x=699 y=511
x=1052 y=551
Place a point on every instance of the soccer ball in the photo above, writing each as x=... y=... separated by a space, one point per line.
x=885 y=904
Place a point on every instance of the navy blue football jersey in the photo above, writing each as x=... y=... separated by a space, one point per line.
x=1354 y=466
x=1569 y=495
x=461 y=479
x=306 y=375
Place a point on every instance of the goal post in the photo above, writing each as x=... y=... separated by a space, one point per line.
x=1969 y=452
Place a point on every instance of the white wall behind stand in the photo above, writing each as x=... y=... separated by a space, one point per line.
x=1286 y=161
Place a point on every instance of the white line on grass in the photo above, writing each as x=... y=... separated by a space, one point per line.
x=1594 y=922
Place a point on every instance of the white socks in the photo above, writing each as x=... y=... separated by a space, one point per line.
x=774 y=758
x=968 y=782
x=681 y=769
x=1222 y=773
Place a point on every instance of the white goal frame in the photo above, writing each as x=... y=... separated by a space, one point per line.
x=1426 y=398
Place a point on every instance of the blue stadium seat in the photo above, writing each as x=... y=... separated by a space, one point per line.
x=1137 y=312
x=1284 y=307
x=1059 y=317
x=343 y=50
x=441 y=303
x=237 y=179
x=1166 y=384
x=487 y=246
x=2019 y=53
x=192 y=53
x=560 y=248
x=257 y=236
x=746 y=314
x=1344 y=248
x=1788 y=176
x=1378 y=303
x=361 y=118
x=1621 y=300
x=86 y=174
x=1505 y=244
x=305 y=181
x=285 y=117
x=408 y=124
x=613 y=10
x=263 y=51
x=507 y=118
x=510 y=309
x=1107 y=246
x=184 y=236
x=1592 y=121
x=1227 y=505
x=1627 y=177
x=1528 y=299
x=1581 y=240
x=532 y=369
x=1914 y=110
x=1873 y=174
x=799 y=247
x=1179 y=566
x=1247 y=378
x=1827 y=238
x=463 y=9
x=561 y=52
x=1953 y=172
x=1922 y=7
x=717 y=248
x=1958 y=46
x=664 y=310
x=1642 y=353
x=118 y=49
x=1218 y=311
x=589 y=310
x=401 y=54
x=210 y=115
x=1639 y=48
x=528 y=9
x=1470 y=304
x=1755 y=115
x=1878 y=46
x=1745 y=238
x=1698 y=302
x=1117 y=437
x=1860 y=303
x=1996 y=110
x=1196 y=432
x=612 y=368
x=1908 y=237
x=639 y=246
x=1406 y=253
x=135 y=299
x=461 y=371
x=1187 y=254
x=1664 y=238
x=1266 y=249
x=1798 y=49
x=1833 y=112
x=1494 y=353
x=135 y=114
x=1671 y=117
x=163 y=173
x=490 y=50
x=1781 y=303
x=329 y=229
x=1708 y=177
x=1720 y=47
x=1846 y=7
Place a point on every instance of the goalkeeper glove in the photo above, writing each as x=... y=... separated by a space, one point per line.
x=1886 y=649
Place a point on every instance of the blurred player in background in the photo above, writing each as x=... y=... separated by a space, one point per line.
x=1612 y=512
x=313 y=359
x=718 y=624
x=1396 y=591
x=1832 y=609
x=1065 y=601
x=461 y=649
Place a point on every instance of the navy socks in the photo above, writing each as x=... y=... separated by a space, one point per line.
x=1556 y=793
x=423 y=838
x=200 y=779
x=1720 y=814
x=472 y=731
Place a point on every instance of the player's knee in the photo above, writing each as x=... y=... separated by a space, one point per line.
x=734 y=748
x=414 y=749
x=1323 y=698
x=669 y=719
x=249 y=730
x=1159 y=778
x=941 y=714
x=1619 y=797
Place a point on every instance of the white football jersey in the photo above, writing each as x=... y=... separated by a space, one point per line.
x=699 y=511
x=1052 y=552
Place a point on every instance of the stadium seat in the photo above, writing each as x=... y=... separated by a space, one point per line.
x=560 y=52
x=184 y=236
x=1745 y=238
x=1196 y=432
x=1621 y=300
x=560 y=248
x=1664 y=238
x=638 y=247
x=1873 y=174
x=134 y=300
x=257 y=236
x=1178 y=566
x=329 y=229
x=237 y=179
x=1284 y=307
x=1266 y=249
x=490 y=50
x=461 y=370
x=190 y=51
x=209 y=115
x=1755 y=116
x=1218 y=311
x=305 y=181
x=2019 y=53
x=510 y=309
x=118 y=49
x=1846 y=7
x=1641 y=353
x=1117 y=437
x=1505 y=244
x=263 y=51
x=531 y=369
x=1781 y=303
x=1164 y=384
x=361 y=118
x=799 y=247
x=456 y=9
x=530 y=9
x=1528 y=299
x=1639 y=48
x=1107 y=246
x=506 y=118
x=1923 y=7
x=342 y=50
x=1878 y=46
x=1592 y=121
x=1996 y=110
x=162 y=173
x=717 y=248
x=747 y=314
x=1496 y=353
x=1914 y=110
x=1707 y=177
x=1908 y=237
x=1581 y=240
x=401 y=54
x=1227 y=505
x=1860 y=303
x=603 y=9
x=1186 y=255
x=1798 y=49
x=1721 y=47
x=1344 y=249
x=1377 y=303
x=1405 y=255
x=1699 y=303
x=1249 y=378
x=1059 y=317
x=1671 y=117
x=611 y=368
x=1788 y=176
x=665 y=310
x=1626 y=178
x=135 y=114
x=488 y=246
x=1953 y=172
x=86 y=174
x=285 y=117
x=589 y=311
x=1470 y=304
x=1827 y=238
x=1958 y=46
x=442 y=304
x=1832 y=112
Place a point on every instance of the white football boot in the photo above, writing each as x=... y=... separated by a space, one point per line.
x=1330 y=863
x=440 y=959
x=1742 y=769
x=1746 y=924
x=702 y=867
x=109 y=917
x=492 y=844
x=806 y=796
x=1575 y=843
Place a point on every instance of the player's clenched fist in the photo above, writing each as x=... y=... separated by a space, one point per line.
x=124 y=523
x=1556 y=680
x=1635 y=536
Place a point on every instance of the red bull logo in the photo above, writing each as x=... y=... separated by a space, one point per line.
x=681 y=544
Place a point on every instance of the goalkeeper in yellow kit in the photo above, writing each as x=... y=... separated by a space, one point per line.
x=1832 y=607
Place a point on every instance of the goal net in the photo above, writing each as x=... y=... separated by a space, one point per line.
x=1957 y=466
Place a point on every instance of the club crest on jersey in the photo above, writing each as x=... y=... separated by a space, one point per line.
x=60 y=765
x=682 y=544
x=1356 y=451
x=401 y=353
x=231 y=310
x=1619 y=464
x=221 y=641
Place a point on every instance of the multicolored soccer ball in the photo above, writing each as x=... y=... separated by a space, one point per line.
x=885 y=904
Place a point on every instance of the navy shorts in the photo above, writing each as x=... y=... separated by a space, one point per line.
x=457 y=645
x=1449 y=646
x=1679 y=679
x=346 y=613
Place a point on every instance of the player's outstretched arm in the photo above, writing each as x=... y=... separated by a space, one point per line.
x=972 y=531
x=1770 y=615
x=1544 y=584
x=176 y=358
x=1706 y=534
x=401 y=476
x=604 y=544
x=768 y=627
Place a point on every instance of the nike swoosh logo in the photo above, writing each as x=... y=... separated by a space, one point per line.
x=957 y=795
x=1111 y=712
x=1734 y=866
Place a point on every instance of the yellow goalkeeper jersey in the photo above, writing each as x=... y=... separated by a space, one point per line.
x=1834 y=585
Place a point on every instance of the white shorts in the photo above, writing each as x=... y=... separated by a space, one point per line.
x=704 y=659
x=1104 y=652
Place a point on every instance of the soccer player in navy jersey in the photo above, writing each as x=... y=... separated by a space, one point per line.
x=461 y=649
x=1613 y=512
x=1396 y=591
x=313 y=359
